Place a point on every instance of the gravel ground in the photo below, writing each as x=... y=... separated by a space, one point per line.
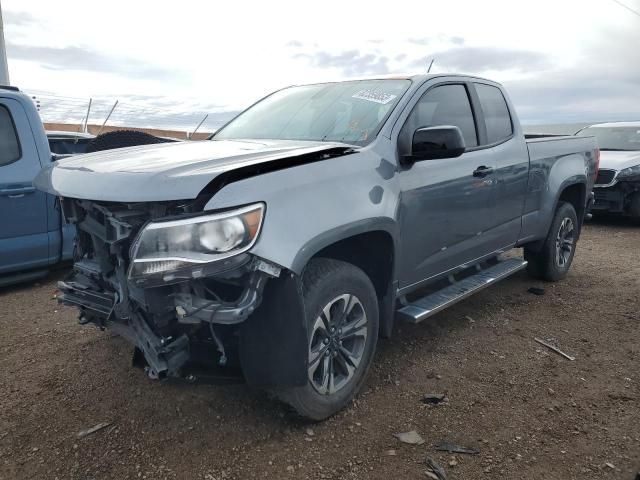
x=531 y=413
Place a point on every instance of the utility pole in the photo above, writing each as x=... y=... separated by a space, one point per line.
x=4 y=69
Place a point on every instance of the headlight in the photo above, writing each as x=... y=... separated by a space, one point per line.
x=172 y=245
x=630 y=172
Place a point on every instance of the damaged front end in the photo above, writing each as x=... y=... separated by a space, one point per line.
x=620 y=198
x=176 y=282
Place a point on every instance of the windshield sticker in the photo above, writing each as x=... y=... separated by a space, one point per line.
x=373 y=96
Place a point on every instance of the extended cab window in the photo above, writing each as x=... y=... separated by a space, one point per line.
x=496 y=113
x=9 y=145
x=443 y=105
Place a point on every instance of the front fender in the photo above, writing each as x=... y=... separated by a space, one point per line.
x=343 y=232
x=310 y=206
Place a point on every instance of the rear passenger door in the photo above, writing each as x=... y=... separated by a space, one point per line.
x=500 y=132
x=24 y=241
x=444 y=208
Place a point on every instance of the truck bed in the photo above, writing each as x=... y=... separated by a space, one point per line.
x=542 y=146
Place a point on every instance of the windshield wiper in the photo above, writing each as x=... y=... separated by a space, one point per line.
x=614 y=150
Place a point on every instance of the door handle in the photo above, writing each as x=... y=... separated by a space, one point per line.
x=16 y=192
x=482 y=171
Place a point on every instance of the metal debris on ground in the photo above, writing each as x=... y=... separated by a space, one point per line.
x=554 y=348
x=434 y=398
x=453 y=448
x=412 y=437
x=536 y=290
x=435 y=470
x=94 y=429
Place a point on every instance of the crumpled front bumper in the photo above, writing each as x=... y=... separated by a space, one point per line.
x=270 y=333
x=608 y=199
x=165 y=356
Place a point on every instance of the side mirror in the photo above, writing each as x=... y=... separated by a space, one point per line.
x=430 y=143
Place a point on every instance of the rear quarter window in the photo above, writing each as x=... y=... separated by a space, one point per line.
x=497 y=118
x=9 y=144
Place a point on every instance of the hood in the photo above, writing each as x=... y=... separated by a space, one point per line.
x=615 y=160
x=166 y=171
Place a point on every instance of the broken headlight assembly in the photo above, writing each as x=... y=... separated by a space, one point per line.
x=182 y=248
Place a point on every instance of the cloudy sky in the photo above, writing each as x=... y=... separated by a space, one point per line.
x=561 y=60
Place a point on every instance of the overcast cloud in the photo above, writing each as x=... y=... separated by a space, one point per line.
x=560 y=61
x=19 y=19
x=351 y=63
x=482 y=59
x=80 y=58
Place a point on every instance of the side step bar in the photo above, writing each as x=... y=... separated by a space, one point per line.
x=433 y=303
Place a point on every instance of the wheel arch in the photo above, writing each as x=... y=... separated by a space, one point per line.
x=573 y=191
x=576 y=195
x=370 y=246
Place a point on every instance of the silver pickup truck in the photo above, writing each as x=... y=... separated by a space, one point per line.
x=292 y=239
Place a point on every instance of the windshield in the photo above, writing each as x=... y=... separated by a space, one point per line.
x=350 y=112
x=615 y=138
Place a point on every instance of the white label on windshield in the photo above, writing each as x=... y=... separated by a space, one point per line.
x=373 y=96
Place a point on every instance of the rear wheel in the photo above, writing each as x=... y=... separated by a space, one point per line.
x=341 y=312
x=553 y=260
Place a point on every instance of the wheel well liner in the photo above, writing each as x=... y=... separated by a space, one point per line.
x=373 y=253
x=576 y=195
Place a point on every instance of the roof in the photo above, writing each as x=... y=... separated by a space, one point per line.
x=615 y=124
x=401 y=76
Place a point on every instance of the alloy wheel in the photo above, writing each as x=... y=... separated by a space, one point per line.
x=337 y=344
x=564 y=242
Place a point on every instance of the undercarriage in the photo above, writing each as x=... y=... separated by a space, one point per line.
x=191 y=317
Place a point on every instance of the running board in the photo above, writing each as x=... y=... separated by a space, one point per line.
x=433 y=303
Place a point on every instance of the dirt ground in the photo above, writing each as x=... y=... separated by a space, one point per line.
x=531 y=413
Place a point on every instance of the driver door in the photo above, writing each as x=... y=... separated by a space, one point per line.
x=444 y=210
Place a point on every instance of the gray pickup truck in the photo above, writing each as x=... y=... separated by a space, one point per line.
x=292 y=239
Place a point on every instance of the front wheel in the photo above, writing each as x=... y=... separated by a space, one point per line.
x=341 y=311
x=553 y=260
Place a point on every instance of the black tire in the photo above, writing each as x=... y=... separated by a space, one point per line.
x=324 y=280
x=120 y=139
x=548 y=263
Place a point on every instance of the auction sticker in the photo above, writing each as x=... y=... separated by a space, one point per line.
x=374 y=96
